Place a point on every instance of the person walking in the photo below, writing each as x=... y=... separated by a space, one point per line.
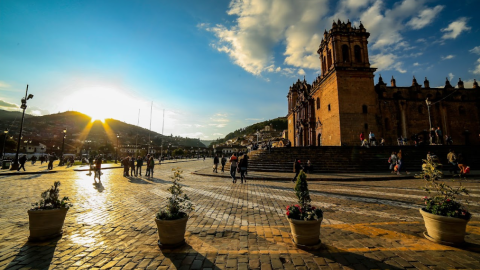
x=372 y=140
x=139 y=166
x=215 y=164
x=393 y=161
x=126 y=164
x=224 y=160
x=233 y=167
x=22 y=160
x=399 y=161
x=98 y=168
x=34 y=159
x=452 y=159
x=243 y=165
x=42 y=159
x=132 y=166
x=362 y=138
x=297 y=167
x=439 y=136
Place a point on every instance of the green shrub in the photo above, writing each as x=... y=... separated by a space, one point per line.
x=177 y=206
x=50 y=199
x=303 y=210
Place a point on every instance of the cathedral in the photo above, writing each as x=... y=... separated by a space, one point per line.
x=344 y=100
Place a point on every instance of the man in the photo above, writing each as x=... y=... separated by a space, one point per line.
x=371 y=138
x=439 y=135
x=132 y=166
x=22 y=162
x=215 y=164
x=126 y=165
x=51 y=159
x=98 y=168
x=452 y=159
x=233 y=167
x=224 y=160
x=297 y=167
x=139 y=166
x=432 y=136
x=147 y=174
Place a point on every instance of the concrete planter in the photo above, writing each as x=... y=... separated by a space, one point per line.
x=306 y=234
x=444 y=230
x=46 y=224
x=171 y=233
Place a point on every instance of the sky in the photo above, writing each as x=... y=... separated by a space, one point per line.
x=210 y=67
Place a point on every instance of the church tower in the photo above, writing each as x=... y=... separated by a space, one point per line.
x=345 y=92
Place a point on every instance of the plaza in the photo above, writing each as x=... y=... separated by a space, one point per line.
x=367 y=224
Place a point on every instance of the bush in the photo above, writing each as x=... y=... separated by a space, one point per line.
x=303 y=210
x=50 y=199
x=176 y=206
x=443 y=202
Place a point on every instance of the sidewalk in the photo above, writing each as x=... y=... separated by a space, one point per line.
x=42 y=169
x=353 y=176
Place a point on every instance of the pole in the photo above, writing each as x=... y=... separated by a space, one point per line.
x=15 y=164
x=4 y=140
x=116 y=151
x=161 y=146
x=63 y=145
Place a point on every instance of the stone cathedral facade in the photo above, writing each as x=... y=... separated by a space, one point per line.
x=344 y=100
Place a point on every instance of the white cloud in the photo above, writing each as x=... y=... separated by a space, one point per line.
x=217 y=134
x=253 y=119
x=455 y=28
x=475 y=50
x=4 y=84
x=477 y=68
x=425 y=17
x=387 y=62
x=450 y=56
x=451 y=76
x=421 y=40
x=416 y=64
x=301 y=72
x=468 y=83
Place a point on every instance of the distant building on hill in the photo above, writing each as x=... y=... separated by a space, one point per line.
x=344 y=100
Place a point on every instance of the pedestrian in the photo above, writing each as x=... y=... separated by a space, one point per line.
x=393 y=161
x=34 y=159
x=126 y=164
x=42 y=159
x=132 y=166
x=215 y=164
x=90 y=165
x=382 y=142
x=362 y=138
x=139 y=166
x=297 y=167
x=233 y=167
x=399 y=161
x=98 y=168
x=308 y=167
x=448 y=140
x=243 y=164
x=224 y=160
x=432 y=136
x=51 y=159
x=452 y=159
x=439 y=136
x=461 y=164
x=372 y=140
x=151 y=163
x=22 y=160
x=147 y=173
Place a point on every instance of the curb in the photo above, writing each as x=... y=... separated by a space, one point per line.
x=346 y=179
x=26 y=173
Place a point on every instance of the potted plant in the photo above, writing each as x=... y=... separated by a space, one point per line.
x=172 y=218
x=445 y=218
x=304 y=219
x=48 y=215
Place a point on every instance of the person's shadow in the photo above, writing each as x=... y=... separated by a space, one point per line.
x=34 y=255
x=99 y=186
x=186 y=257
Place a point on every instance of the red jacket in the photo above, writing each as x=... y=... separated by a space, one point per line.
x=362 y=137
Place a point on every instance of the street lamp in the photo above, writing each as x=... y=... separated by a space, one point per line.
x=116 y=150
x=4 y=140
x=63 y=145
x=15 y=163
x=429 y=103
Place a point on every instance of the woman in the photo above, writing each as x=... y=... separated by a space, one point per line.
x=233 y=167
x=393 y=161
x=151 y=163
x=399 y=161
x=243 y=164
x=297 y=167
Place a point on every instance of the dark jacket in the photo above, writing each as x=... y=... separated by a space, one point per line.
x=139 y=162
x=215 y=160
x=297 y=166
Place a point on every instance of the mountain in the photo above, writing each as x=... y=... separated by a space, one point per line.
x=278 y=124
x=10 y=116
x=206 y=143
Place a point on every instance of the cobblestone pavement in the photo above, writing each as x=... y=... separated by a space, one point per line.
x=367 y=225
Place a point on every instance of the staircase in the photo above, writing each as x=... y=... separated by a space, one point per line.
x=353 y=158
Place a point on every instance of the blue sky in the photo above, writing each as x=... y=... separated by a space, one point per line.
x=214 y=66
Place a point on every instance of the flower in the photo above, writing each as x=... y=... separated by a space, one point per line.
x=288 y=207
x=313 y=208
x=425 y=198
x=448 y=200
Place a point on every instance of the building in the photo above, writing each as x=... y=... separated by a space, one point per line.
x=344 y=100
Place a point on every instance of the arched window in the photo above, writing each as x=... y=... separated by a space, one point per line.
x=461 y=110
x=324 y=65
x=318 y=103
x=328 y=107
x=329 y=59
x=345 y=53
x=358 y=54
x=365 y=109
x=387 y=124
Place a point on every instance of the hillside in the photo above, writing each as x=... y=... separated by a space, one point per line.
x=278 y=124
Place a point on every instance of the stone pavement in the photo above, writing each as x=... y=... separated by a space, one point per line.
x=367 y=224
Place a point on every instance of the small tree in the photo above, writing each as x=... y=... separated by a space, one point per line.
x=444 y=201
x=50 y=199
x=303 y=210
x=176 y=206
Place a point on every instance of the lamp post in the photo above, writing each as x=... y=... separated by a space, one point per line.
x=4 y=140
x=116 y=150
x=429 y=103
x=63 y=146
x=15 y=163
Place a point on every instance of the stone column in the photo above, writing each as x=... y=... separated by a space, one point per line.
x=403 y=105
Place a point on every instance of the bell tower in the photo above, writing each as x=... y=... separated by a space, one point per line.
x=346 y=86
